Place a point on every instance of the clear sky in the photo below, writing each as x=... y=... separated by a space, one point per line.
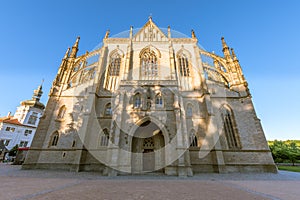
x=265 y=34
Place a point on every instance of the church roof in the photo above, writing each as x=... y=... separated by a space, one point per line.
x=174 y=33
x=164 y=31
x=163 y=34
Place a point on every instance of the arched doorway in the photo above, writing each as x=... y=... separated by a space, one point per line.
x=147 y=148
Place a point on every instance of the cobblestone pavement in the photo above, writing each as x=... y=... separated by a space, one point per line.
x=43 y=184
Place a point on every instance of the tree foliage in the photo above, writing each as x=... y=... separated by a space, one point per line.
x=13 y=151
x=285 y=151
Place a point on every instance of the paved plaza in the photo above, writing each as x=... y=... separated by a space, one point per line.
x=42 y=184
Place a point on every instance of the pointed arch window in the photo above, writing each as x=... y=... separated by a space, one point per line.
x=54 y=139
x=104 y=138
x=183 y=65
x=149 y=68
x=230 y=129
x=137 y=100
x=193 y=139
x=158 y=100
x=108 y=110
x=114 y=66
x=62 y=112
x=189 y=110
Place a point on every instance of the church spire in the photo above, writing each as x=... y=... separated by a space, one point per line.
x=66 y=54
x=233 y=55
x=226 y=50
x=193 y=34
x=75 y=48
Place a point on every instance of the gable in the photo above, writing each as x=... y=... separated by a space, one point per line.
x=150 y=32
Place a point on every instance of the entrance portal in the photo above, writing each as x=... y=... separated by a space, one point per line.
x=147 y=149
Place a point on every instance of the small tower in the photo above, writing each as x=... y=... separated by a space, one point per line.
x=65 y=69
x=31 y=110
x=62 y=68
x=37 y=93
x=226 y=51
x=238 y=81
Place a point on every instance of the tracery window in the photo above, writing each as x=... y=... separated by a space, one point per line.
x=108 y=110
x=183 y=65
x=104 y=139
x=229 y=128
x=114 y=66
x=158 y=100
x=149 y=68
x=137 y=100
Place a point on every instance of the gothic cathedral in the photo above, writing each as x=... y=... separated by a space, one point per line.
x=150 y=100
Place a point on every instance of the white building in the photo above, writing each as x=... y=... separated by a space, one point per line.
x=20 y=128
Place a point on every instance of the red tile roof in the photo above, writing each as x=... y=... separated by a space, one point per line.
x=11 y=120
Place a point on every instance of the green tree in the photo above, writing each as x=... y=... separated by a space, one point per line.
x=285 y=151
x=293 y=152
x=13 y=151
x=278 y=149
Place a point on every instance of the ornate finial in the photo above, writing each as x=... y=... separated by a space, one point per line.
x=75 y=48
x=130 y=33
x=150 y=17
x=106 y=34
x=193 y=34
x=169 y=32
x=67 y=53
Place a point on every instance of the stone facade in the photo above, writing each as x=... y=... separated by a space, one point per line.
x=150 y=99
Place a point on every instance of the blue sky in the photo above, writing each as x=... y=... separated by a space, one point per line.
x=34 y=36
